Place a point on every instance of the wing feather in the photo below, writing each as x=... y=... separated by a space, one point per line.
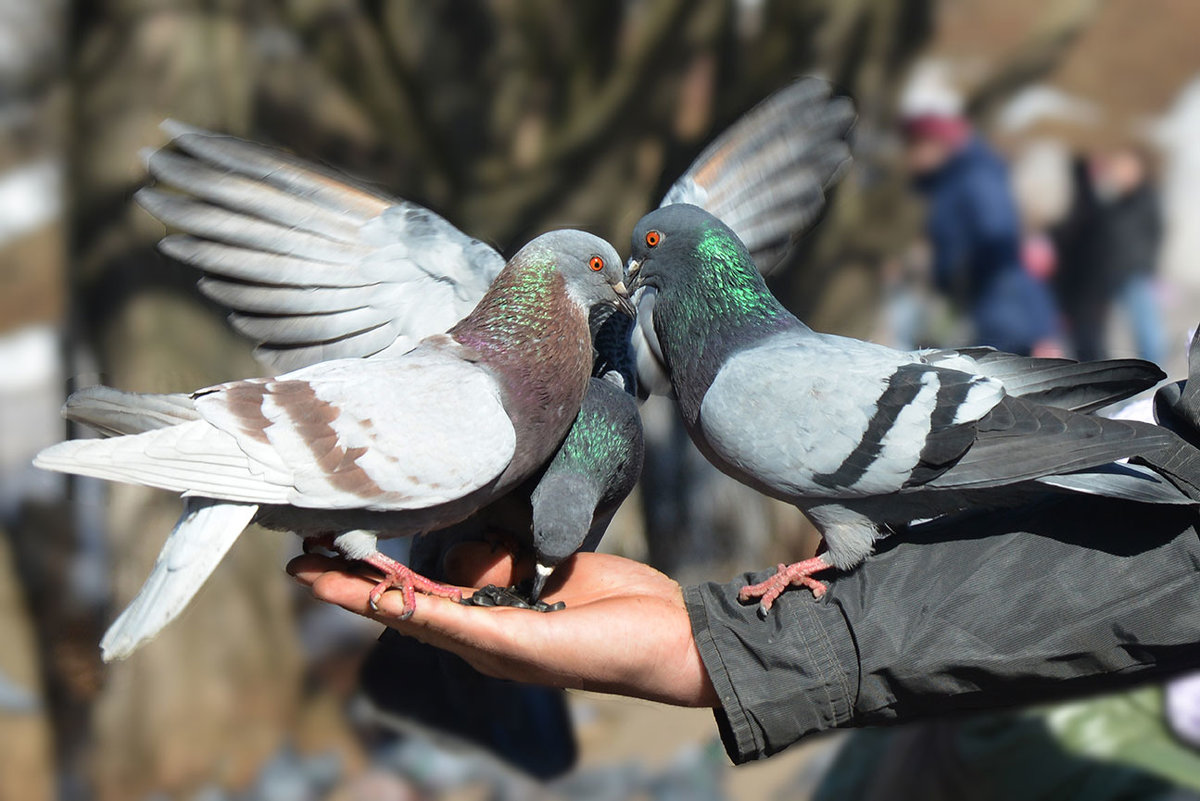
x=297 y=252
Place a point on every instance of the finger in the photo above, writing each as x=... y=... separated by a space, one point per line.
x=331 y=582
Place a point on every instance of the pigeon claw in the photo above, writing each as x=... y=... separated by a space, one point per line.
x=400 y=577
x=797 y=574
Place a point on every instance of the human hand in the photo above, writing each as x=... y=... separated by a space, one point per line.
x=625 y=629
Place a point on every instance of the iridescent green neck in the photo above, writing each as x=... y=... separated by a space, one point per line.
x=521 y=305
x=708 y=312
x=728 y=284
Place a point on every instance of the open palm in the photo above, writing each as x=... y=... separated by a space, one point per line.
x=624 y=630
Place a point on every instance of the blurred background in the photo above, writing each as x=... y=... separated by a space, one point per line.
x=510 y=117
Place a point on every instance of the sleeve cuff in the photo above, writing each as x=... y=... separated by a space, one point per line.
x=779 y=679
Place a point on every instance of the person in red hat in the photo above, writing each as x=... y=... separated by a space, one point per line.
x=975 y=234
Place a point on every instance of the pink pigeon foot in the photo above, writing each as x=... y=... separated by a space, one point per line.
x=795 y=574
x=403 y=578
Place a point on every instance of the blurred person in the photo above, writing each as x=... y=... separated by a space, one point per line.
x=1129 y=233
x=1109 y=246
x=1042 y=187
x=975 y=234
x=1079 y=286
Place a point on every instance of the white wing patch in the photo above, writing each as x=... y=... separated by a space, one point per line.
x=406 y=433
x=392 y=434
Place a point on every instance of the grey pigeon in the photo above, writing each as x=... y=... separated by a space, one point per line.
x=349 y=450
x=592 y=473
x=862 y=437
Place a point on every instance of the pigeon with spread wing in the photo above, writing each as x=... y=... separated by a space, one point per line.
x=348 y=450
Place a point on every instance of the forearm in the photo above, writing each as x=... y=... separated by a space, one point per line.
x=969 y=613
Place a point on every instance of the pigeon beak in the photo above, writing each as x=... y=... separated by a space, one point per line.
x=631 y=272
x=540 y=574
x=623 y=301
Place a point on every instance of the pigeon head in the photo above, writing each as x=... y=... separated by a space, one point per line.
x=697 y=264
x=590 y=268
x=681 y=246
x=563 y=506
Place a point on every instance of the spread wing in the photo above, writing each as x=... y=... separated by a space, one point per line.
x=313 y=267
x=382 y=434
x=766 y=178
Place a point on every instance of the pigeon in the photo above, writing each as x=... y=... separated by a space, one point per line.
x=862 y=437
x=345 y=451
x=593 y=471
x=564 y=509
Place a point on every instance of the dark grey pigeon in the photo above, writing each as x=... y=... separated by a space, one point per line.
x=349 y=450
x=862 y=437
x=595 y=469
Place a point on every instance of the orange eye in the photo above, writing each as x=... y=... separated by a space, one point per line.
x=653 y=238
x=597 y=264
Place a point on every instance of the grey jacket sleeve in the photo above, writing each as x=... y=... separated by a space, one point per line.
x=973 y=612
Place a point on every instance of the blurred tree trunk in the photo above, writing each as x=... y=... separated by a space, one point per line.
x=27 y=766
x=211 y=698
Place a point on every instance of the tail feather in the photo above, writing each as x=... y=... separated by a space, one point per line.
x=193 y=457
x=1130 y=482
x=113 y=412
x=1075 y=386
x=201 y=538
